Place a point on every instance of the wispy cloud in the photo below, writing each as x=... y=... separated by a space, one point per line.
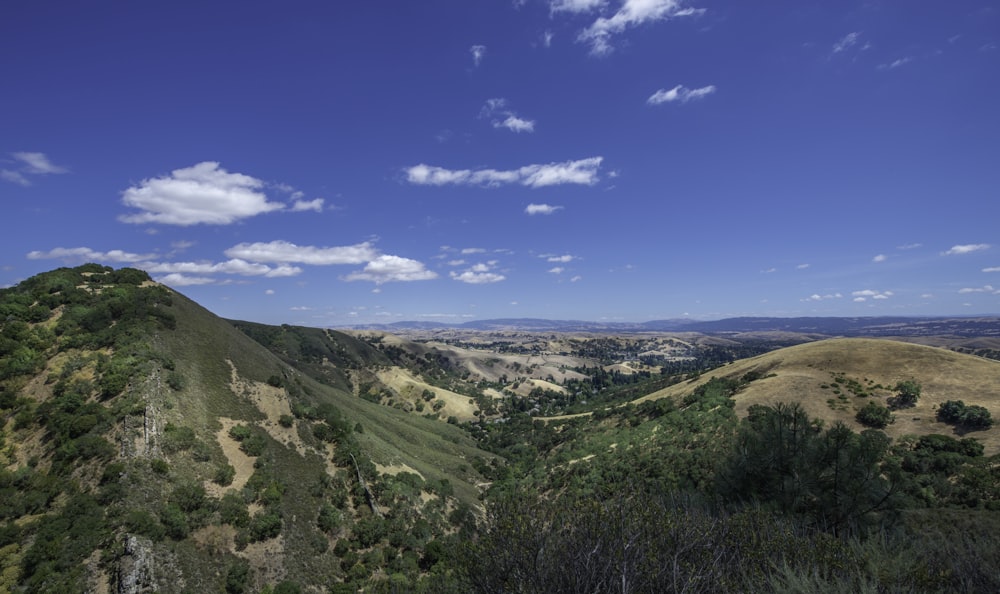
x=479 y=274
x=385 y=268
x=895 y=63
x=30 y=164
x=982 y=289
x=866 y=294
x=631 y=13
x=85 y=254
x=290 y=253
x=478 y=53
x=38 y=164
x=582 y=172
x=303 y=205
x=957 y=250
x=202 y=194
x=846 y=42
x=498 y=110
x=992 y=269
x=880 y=258
x=543 y=209
x=576 y=6
x=556 y=270
x=680 y=94
x=825 y=297
x=234 y=266
x=565 y=258
x=15 y=177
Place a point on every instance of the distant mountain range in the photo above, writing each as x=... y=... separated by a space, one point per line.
x=830 y=326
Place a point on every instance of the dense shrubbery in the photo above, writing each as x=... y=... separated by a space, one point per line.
x=966 y=416
x=874 y=415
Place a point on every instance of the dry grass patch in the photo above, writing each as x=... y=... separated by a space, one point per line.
x=237 y=459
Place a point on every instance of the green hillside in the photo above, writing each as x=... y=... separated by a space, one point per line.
x=149 y=445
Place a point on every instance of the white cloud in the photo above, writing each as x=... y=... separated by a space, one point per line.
x=582 y=171
x=895 y=63
x=503 y=117
x=802 y=266
x=479 y=274
x=561 y=259
x=478 y=278
x=38 y=164
x=557 y=270
x=234 y=266
x=909 y=246
x=30 y=164
x=14 y=177
x=203 y=193
x=269 y=292
x=85 y=254
x=632 y=13
x=992 y=269
x=386 y=268
x=983 y=289
x=576 y=279
x=181 y=280
x=516 y=124
x=547 y=38
x=846 y=42
x=456 y=262
x=679 y=93
x=546 y=209
x=818 y=297
x=576 y=6
x=966 y=249
x=478 y=53
x=880 y=258
x=467 y=251
x=864 y=295
x=284 y=251
x=302 y=205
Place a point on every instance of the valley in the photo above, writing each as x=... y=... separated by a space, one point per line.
x=148 y=445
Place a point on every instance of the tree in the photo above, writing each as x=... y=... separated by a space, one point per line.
x=972 y=416
x=907 y=394
x=781 y=460
x=874 y=415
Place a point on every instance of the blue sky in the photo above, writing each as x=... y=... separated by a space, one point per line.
x=332 y=163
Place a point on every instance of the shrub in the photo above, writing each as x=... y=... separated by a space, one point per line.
x=159 y=466
x=224 y=475
x=972 y=416
x=874 y=415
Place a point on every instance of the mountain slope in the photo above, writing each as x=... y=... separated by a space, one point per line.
x=870 y=366
x=149 y=445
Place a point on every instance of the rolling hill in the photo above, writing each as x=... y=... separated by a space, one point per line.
x=808 y=374
x=148 y=445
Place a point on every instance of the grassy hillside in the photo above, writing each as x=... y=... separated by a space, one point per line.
x=148 y=445
x=867 y=370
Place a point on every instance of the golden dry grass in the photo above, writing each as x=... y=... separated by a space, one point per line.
x=797 y=374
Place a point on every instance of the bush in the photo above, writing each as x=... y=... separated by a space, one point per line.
x=176 y=381
x=874 y=415
x=224 y=475
x=957 y=412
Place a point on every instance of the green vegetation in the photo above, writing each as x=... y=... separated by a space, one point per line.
x=969 y=417
x=115 y=392
x=874 y=415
